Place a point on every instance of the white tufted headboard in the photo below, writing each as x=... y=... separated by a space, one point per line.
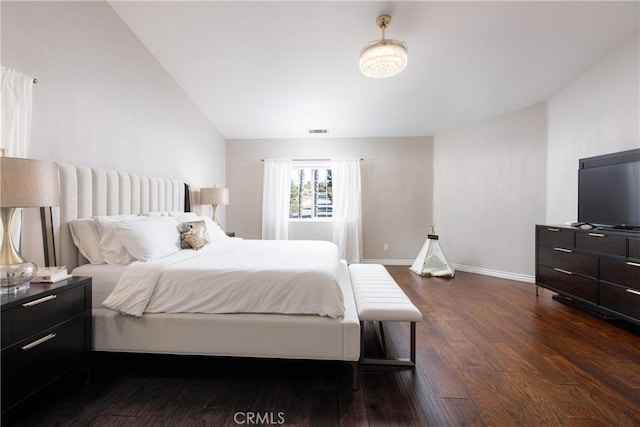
x=85 y=192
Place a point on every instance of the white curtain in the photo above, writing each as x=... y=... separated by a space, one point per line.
x=347 y=208
x=276 y=193
x=16 y=125
x=16 y=112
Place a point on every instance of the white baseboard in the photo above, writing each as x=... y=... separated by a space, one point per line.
x=466 y=268
x=496 y=273
x=406 y=262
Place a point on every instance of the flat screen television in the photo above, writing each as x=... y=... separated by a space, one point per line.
x=609 y=190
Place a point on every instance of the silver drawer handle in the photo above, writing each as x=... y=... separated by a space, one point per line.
x=40 y=301
x=633 y=264
x=555 y=230
x=563 y=271
x=569 y=251
x=597 y=235
x=38 y=342
x=633 y=291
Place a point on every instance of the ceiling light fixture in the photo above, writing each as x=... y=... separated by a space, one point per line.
x=385 y=57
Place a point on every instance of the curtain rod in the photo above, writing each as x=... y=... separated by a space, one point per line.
x=310 y=160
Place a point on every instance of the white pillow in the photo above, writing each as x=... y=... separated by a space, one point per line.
x=186 y=217
x=112 y=249
x=84 y=233
x=163 y=213
x=150 y=238
x=214 y=230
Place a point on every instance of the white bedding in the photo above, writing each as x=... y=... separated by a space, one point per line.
x=235 y=276
x=104 y=278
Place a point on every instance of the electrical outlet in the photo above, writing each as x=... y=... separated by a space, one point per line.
x=385 y=247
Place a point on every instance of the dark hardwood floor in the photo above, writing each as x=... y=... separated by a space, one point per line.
x=489 y=353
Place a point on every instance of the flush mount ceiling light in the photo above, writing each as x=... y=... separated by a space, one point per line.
x=385 y=57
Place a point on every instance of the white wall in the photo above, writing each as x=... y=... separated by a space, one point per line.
x=396 y=189
x=597 y=113
x=489 y=192
x=103 y=100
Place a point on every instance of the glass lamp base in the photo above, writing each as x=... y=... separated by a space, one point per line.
x=14 y=289
x=12 y=275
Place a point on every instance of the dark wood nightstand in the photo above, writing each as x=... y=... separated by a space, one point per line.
x=46 y=334
x=231 y=233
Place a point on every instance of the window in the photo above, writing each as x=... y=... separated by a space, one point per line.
x=311 y=193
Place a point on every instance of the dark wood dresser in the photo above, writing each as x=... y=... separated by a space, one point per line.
x=598 y=270
x=46 y=334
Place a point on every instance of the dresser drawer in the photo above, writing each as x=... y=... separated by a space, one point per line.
x=634 y=248
x=568 y=260
x=43 y=312
x=609 y=244
x=566 y=282
x=620 y=272
x=620 y=298
x=559 y=237
x=33 y=363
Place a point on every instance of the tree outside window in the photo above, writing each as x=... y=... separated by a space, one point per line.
x=311 y=193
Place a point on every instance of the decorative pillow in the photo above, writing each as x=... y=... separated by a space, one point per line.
x=84 y=233
x=195 y=241
x=149 y=238
x=195 y=229
x=112 y=249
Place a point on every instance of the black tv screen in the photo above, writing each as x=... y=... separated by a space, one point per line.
x=609 y=190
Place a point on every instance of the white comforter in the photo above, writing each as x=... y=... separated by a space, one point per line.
x=235 y=276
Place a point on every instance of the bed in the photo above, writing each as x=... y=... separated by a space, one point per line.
x=89 y=192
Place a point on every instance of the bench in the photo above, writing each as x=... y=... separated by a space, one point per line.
x=380 y=299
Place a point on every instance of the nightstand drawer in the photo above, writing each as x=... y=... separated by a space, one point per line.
x=42 y=312
x=33 y=363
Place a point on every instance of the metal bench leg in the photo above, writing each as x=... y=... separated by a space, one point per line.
x=386 y=361
x=413 y=343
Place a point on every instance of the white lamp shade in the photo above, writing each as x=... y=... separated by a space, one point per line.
x=214 y=196
x=28 y=183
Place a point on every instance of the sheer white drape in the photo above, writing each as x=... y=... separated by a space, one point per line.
x=16 y=125
x=347 y=208
x=16 y=112
x=276 y=192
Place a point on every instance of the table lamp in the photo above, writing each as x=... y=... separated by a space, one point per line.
x=23 y=183
x=214 y=196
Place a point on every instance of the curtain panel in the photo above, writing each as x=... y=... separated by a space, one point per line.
x=276 y=193
x=347 y=209
x=17 y=90
x=17 y=93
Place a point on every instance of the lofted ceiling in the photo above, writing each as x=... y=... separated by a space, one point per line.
x=277 y=69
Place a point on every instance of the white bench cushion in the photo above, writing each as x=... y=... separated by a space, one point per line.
x=378 y=296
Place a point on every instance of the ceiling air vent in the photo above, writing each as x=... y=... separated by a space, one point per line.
x=318 y=131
